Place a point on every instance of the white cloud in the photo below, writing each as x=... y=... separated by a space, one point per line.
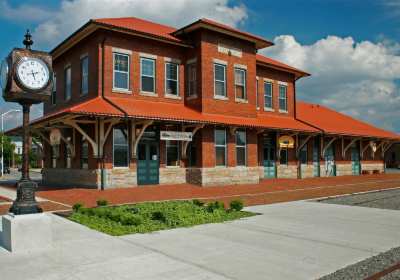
x=24 y=13
x=356 y=79
x=176 y=13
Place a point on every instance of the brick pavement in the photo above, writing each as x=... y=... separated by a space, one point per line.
x=268 y=191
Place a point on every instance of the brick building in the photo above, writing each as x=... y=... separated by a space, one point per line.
x=392 y=156
x=122 y=84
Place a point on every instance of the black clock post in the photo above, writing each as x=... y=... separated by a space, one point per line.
x=24 y=87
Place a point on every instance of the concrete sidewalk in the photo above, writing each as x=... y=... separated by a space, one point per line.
x=294 y=240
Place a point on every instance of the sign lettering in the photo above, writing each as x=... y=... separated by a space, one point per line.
x=176 y=135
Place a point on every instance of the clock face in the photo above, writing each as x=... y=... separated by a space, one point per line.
x=33 y=73
x=4 y=74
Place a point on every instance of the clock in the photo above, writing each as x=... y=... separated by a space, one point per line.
x=5 y=75
x=31 y=74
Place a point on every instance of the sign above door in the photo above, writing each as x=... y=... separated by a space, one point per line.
x=176 y=135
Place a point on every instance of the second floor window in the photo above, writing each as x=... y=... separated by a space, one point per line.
x=171 y=79
x=67 y=95
x=53 y=94
x=219 y=80
x=192 y=79
x=147 y=75
x=282 y=98
x=268 y=95
x=240 y=84
x=121 y=71
x=85 y=75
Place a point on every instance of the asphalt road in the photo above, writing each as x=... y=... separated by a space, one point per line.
x=15 y=176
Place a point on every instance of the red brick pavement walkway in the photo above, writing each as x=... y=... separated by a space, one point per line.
x=268 y=191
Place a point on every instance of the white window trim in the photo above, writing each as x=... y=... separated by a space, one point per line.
x=87 y=91
x=279 y=97
x=221 y=65
x=215 y=146
x=244 y=85
x=127 y=150
x=129 y=63
x=166 y=152
x=272 y=98
x=177 y=80
x=245 y=148
x=154 y=75
x=195 y=73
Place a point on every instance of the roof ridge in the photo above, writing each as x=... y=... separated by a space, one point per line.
x=138 y=19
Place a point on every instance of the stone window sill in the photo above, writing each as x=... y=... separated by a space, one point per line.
x=120 y=90
x=53 y=106
x=172 y=167
x=148 y=94
x=283 y=112
x=170 y=96
x=269 y=110
x=191 y=97
x=83 y=94
x=241 y=101
x=218 y=97
x=258 y=108
x=66 y=101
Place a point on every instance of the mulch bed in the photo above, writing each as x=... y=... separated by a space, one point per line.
x=46 y=206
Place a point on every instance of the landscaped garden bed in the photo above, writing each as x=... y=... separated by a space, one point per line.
x=154 y=216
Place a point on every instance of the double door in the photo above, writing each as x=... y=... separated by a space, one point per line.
x=148 y=163
x=269 y=162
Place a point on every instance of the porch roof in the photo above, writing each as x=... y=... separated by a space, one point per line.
x=139 y=109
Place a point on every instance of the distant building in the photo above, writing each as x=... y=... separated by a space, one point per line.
x=17 y=140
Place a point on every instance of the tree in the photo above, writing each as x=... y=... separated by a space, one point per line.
x=32 y=157
x=8 y=146
x=17 y=159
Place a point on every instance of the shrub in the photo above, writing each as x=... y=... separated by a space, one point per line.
x=131 y=220
x=215 y=205
x=77 y=206
x=236 y=204
x=158 y=215
x=198 y=202
x=102 y=202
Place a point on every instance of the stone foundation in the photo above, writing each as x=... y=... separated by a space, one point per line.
x=307 y=171
x=373 y=166
x=120 y=178
x=288 y=172
x=222 y=176
x=73 y=178
x=343 y=169
x=261 y=172
x=172 y=176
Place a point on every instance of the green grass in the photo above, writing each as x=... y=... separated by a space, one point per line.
x=152 y=216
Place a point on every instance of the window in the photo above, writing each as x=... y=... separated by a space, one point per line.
x=147 y=75
x=393 y=156
x=192 y=79
x=241 y=147
x=240 y=84
x=193 y=152
x=219 y=80
x=84 y=153
x=85 y=75
x=303 y=151
x=171 y=79
x=67 y=154
x=172 y=149
x=282 y=98
x=121 y=71
x=53 y=94
x=120 y=145
x=284 y=160
x=67 y=95
x=220 y=146
x=53 y=157
x=257 y=93
x=268 y=95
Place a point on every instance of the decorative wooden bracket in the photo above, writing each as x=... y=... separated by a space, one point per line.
x=104 y=135
x=74 y=124
x=260 y=130
x=40 y=147
x=233 y=129
x=377 y=147
x=135 y=140
x=362 y=150
x=387 y=146
x=323 y=148
x=186 y=143
x=47 y=140
x=299 y=147
x=344 y=149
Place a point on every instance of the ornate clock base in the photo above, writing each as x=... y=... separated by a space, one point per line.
x=25 y=202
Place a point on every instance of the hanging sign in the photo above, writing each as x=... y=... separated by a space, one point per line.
x=286 y=141
x=176 y=135
x=55 y=136
x=373 y=145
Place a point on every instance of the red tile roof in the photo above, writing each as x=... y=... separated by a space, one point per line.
x=336 y=123
x=272 y=62
x=142 y=26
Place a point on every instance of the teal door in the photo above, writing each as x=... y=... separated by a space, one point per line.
x=269 y=162
x=148 y=164
x=330 y=152
x=355 y=161
x=315 y=158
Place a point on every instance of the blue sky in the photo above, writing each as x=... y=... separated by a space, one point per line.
x=350 y=47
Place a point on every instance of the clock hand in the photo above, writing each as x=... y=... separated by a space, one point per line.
x=33 y=75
